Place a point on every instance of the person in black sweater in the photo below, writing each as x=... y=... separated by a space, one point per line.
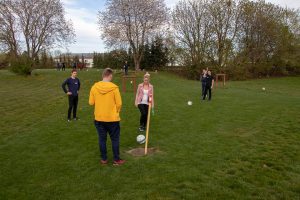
x=63 y=68
x=73 y=84
x=126 y=66
x=209 y=79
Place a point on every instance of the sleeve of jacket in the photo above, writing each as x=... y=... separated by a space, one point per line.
x=63 y=85
x=92 y=97
x=137 y=95
x=78 y=84
x=118 y=99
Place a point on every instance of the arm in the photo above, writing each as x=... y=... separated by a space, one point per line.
x=64 y=86
x=212 y=83
x=136 y=96
x=152 y=97
x=118 y=99
x=78 y=84
x=92 y=97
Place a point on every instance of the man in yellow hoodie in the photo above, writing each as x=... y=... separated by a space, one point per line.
x=105 y=97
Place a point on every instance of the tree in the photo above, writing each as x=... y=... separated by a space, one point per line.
x=41 y=25
x=131 y=22
x=9 y=29
x=190 y=20
x=225 y=16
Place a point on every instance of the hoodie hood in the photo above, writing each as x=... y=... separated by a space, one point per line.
x=105 y=87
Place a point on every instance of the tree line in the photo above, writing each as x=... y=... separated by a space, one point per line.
x=154 y=56
x=242 y=38
x=29 y=28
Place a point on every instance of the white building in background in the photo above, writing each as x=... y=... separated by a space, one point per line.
x=89 y=61
x=88 y=58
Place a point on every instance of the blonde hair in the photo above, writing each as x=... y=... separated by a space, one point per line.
x=147 y=75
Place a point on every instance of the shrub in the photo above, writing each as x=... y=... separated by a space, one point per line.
x=21 y=65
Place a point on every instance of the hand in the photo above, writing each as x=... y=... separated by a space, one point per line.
x=212 y=87
x=136 y=105
x=69 y=93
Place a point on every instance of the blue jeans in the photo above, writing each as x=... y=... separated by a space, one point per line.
x=113 y=129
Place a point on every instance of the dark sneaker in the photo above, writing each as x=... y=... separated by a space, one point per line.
x=103 y=162
x=119 y=162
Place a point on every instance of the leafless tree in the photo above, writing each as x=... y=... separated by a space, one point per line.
x=41 y=24
x=8 y=28
x=225 y=16
x=192 y=29
x=131 y=22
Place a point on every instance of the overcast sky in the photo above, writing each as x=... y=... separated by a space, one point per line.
x=83 y=14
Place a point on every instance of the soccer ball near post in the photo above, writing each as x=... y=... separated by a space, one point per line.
x=141 y=139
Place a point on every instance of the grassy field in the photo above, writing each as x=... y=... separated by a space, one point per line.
x=244 y=144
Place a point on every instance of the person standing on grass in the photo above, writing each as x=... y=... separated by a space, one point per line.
x=209 y=85
x=126 y=66
x=203 y=80
x=73 y=84
x=57 y=66
x=74 y=65
x=144 y=91
x=63 y=67
x=105 y=97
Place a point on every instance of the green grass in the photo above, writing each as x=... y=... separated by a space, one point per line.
x=245 y=144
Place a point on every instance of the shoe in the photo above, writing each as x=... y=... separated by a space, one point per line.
x=103 y=162
x=119 y=162
x=141 y=129
x=69 y=120
x=75 y=118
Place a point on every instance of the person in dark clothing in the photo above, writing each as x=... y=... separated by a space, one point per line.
x=63 y=68
x=73 y=84
x=74 y=65
x=58 y=66
x=209 y=85
x=203 y=80
x=126 y=66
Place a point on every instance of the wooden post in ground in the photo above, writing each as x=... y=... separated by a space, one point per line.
x=148 y=125
x=131 y=78
x=223 y=77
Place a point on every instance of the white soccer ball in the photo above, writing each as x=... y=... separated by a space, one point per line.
x=190 y=103
x=263 y=89
x=141 y=139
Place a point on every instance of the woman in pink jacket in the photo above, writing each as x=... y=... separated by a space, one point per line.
x=144 y=91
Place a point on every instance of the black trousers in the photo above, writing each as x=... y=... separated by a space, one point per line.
x=144 y=114
x=126 y=71
x=203 y=88
x=73 y=102
x=207 y=90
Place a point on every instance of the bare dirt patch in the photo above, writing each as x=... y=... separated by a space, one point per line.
x=138 y=152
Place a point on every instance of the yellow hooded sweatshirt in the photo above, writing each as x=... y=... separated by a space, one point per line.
x=107 y=100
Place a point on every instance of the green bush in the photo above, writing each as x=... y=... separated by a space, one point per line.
x=21 y=65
